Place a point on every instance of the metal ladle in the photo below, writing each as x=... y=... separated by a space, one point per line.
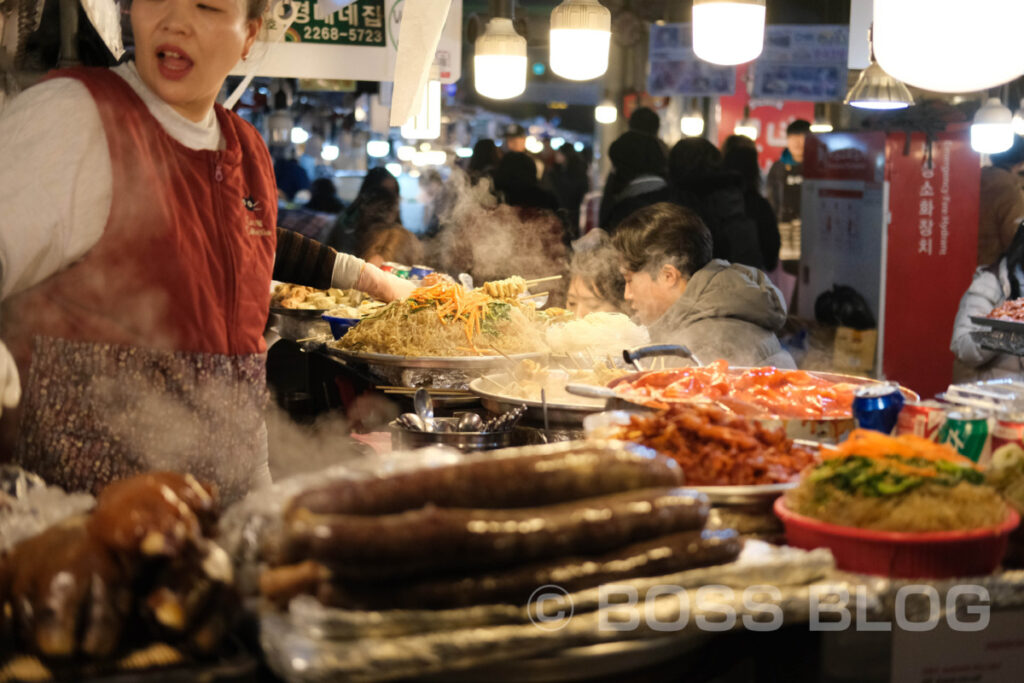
x=425 y=408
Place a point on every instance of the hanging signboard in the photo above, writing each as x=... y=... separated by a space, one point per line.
x=805 y=63
x=676 y=70
x=357 y=42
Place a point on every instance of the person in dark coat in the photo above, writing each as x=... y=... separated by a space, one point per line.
x=786 y=176
x=637 y=180
x=739 y=155
x=702 y=184
x=377 y=203
x=324 y=197
x=486 y=156
x=568 y=177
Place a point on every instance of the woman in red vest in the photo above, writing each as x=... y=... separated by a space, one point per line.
x=137 y=245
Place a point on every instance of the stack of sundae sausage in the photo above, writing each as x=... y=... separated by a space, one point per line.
x=493 y=531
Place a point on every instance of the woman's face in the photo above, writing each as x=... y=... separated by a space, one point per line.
x=582 y=300
x=184 y=49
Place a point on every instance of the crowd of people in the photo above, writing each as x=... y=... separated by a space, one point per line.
x=684 y=239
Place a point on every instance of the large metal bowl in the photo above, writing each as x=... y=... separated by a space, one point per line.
x=824 y=430
x=464 y=441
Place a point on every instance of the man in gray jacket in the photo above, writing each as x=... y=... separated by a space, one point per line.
x=716 y=309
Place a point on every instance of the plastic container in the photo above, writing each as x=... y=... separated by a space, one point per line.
x=339 y=326
x=934 y=555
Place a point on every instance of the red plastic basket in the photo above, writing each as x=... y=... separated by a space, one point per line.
x=934 y=555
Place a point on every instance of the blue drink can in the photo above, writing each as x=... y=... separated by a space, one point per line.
x=877 y=406
x=420 y=272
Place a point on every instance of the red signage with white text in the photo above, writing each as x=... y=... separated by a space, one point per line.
x=932 y=254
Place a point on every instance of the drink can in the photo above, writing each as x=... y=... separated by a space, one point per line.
x=877 y=406
x=388 y=267
x=967 y=431
x=396 y=269
x=420 y=272
x=1008 y=429
x=922 y=418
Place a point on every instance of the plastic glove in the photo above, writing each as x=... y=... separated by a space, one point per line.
x=10 y=384
x=383 y=286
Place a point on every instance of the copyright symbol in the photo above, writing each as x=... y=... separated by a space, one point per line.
x=550 y=607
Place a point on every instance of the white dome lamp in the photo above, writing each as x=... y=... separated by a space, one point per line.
x=1018 y=120
x=950 y=45
x=499 y=62
x=581 y=32
x=728 y=32
x=992 y=130
x=692 y=125
x=606 y=112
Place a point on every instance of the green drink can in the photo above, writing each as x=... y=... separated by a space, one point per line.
x=968 y=432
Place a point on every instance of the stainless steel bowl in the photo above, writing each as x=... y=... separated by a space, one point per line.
x=403 y=438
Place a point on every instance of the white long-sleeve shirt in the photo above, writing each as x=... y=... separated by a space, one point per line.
x=55 y=178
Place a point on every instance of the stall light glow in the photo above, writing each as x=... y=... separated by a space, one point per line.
x=581 y=32
x=378 y=148
x=435 y=157
x=394 y=168
x=426 y=125
x=876 y=89
x=692 y=125
x=499 y=61
x=747 y=128
x=424 y=146
x=299 y=136
x=463 y=152
x=821 y=127
x=578 y=146
x=1018 y=120
x=557 y=142
x=414 y=173
x=533 y=145
x=279 y=125
x=360 y=114
x=405 y=152
x=329 y=152
x=728 y=32
x=992 y=129
x=949 y=45
x=606 y=112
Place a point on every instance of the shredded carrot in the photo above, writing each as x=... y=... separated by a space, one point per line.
x=875 y=445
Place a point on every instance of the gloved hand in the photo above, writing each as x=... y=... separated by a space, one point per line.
x=10 y=385
x=383 y=286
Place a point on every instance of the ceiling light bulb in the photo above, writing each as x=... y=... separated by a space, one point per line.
x=606 y=112
x=378 y=148
x=1018 y=119
x=992 y=129
x=300 y=136
x=329 y=152
x=876 y=89
x=949 y=45
x=728 y=32
x=394 y=168
x=747 y=128
x=821 y=127
x=581 y=32
x=463 y=152
x=692 y=125
x=499 y=61
x=405 y=152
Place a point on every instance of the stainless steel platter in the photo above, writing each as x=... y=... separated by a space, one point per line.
x=998 y=324
x=562 y=413
x=744 y=495
x=305 y=313
x=429 y=362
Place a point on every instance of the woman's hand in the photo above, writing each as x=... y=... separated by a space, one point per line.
x=383 y=286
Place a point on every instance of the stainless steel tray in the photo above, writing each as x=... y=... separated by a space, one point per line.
x=558 y=413
x=429 y=362
x=998 y=324
x=744 y=495
x=299 y=312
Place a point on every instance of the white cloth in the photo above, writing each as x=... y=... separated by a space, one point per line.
x=55 y=198
x=974 y=363
x=10 y=386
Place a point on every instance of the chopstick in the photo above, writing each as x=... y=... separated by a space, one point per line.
x=533 y=296
x=434 y=392
x=542 y=279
